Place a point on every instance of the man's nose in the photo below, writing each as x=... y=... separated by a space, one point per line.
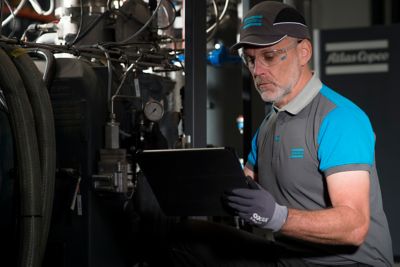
x=258 y=68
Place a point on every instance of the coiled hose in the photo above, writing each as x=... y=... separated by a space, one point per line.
x=27 y=160
x=44 y=124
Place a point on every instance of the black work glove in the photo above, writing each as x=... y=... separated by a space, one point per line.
x=257 y=207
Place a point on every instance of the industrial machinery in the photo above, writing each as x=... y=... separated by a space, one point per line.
x=80 y=93
x=85 y=84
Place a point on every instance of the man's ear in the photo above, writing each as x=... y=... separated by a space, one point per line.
x=305 y=51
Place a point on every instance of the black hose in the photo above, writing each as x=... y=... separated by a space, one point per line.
x=27 y=161
x=44 y=122
x=50 y=69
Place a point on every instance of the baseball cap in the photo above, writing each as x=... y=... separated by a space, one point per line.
x=268 y=22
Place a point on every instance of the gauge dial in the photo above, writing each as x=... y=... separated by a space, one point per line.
x=153 y=110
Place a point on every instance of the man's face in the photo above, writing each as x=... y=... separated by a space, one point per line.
x=275 y=69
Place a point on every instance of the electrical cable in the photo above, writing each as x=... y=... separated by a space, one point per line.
x=175 y=50
x=138 y=31
x=109 y=5
x=13 y=28
x=118 y=54
x=31 y=28
x=14 y=13
x=38 y=9
x=119 y=88
x=216 y=21
x=90 y=27
x=220 y=17
x=109 y=70
x=173 y=20
x=123 y=79
x=80 y=25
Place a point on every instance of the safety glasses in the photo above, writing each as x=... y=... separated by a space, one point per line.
x=268 y=58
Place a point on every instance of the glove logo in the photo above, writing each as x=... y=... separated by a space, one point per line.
x=257 y=219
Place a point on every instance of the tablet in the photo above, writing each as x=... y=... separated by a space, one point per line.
x=191 y=182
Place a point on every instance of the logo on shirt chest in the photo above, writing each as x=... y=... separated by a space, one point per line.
x=296 y=153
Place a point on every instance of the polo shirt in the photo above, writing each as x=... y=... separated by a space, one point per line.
x=316 y=134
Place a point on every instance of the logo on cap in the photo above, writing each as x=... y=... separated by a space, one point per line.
x=252 y=21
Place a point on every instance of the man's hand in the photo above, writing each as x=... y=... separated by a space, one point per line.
x=257 y=207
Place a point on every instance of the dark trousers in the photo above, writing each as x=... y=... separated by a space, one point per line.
x=203 y=243
x=167 y=241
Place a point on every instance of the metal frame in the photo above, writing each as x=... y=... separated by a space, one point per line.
x=195 y=98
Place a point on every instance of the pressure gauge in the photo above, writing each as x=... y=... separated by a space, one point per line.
x=153 y=110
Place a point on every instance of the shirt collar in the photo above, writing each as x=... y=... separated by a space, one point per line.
x=305 y=96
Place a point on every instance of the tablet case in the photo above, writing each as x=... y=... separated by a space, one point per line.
x=191 y=182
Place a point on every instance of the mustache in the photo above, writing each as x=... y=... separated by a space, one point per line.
x=259 y=80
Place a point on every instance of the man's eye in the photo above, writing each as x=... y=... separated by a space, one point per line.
x=268 y=57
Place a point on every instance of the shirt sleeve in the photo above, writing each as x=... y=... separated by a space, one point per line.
x=252 y=157
x=346 y=141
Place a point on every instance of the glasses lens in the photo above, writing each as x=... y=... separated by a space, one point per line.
x=268 y=58
x=272 y=58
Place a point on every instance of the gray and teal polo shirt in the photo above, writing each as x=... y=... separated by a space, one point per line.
x=317 y=134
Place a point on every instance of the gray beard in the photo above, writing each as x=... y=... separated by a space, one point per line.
x=282 y=93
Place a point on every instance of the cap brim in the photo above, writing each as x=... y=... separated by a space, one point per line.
x=257 y=41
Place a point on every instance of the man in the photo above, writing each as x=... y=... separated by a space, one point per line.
x=312 y=160
x=313 y=155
